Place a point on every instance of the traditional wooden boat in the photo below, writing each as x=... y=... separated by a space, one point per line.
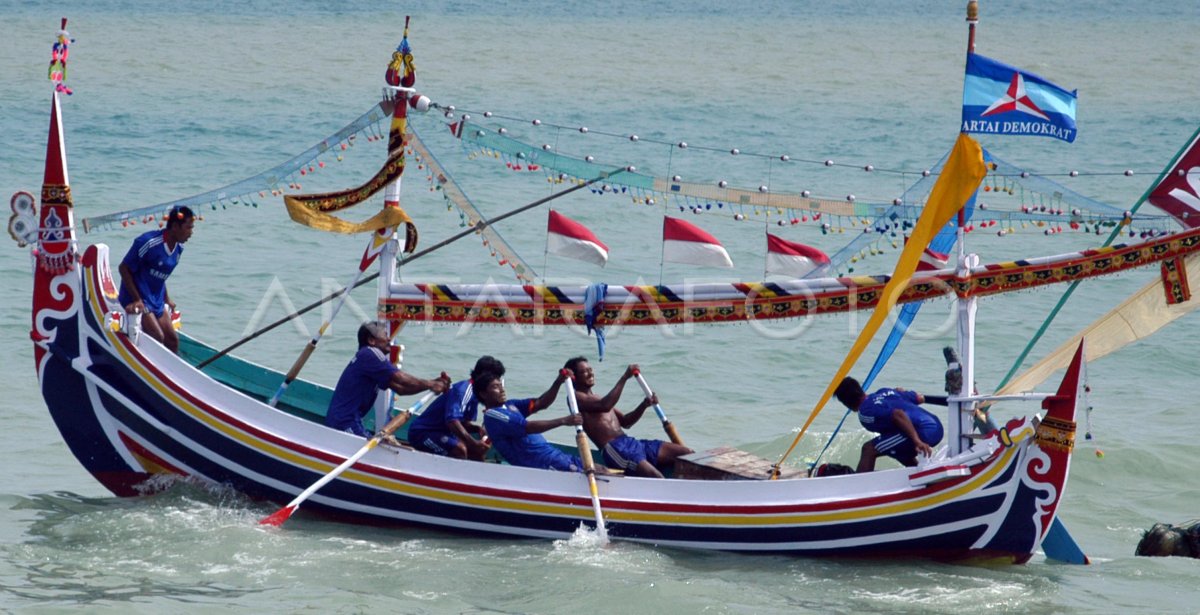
x=131 y=411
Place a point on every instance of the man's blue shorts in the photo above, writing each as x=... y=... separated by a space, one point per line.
x=627 y=452
x=436 y=442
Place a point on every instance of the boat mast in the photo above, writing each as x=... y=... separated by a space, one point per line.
x=400 y=77
x=960 y=412
x=395 y=245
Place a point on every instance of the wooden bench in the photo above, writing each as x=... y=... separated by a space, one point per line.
x=727 y=463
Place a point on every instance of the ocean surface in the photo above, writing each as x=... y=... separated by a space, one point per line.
x=176 y=99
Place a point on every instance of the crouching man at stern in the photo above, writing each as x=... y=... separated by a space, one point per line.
x=606 y=425
x=904 y=427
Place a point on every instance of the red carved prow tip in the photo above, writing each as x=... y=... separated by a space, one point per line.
x=56 y=150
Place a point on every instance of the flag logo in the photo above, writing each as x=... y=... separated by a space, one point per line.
x=1015 y=99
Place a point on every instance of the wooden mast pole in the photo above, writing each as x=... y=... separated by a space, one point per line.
x=960 y=412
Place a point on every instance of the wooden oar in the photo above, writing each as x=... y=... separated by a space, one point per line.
x=585 y=453
x=283 y=514
x=668 y=426
x=477 y=227
x=374 y=247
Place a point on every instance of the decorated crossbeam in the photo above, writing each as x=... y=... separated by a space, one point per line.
x=739 y=301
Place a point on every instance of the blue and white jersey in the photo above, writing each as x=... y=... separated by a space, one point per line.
x=151 y=264
x=458 y=403
x=506 y=427
x=875 y=414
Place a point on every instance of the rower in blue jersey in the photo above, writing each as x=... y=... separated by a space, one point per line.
x=447 y=427
x=518 y=439
x=368 y=373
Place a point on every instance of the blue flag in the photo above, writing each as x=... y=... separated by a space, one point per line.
x=1000 y=99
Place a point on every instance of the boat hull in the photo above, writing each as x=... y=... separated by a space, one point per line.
x=132 y=412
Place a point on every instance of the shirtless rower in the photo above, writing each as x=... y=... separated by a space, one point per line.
x=606 y=425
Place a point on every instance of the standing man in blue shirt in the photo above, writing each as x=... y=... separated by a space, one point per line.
x=447 y=427
x=144 y=272
x=904 y=427
x=369 y=372
x=518 y=439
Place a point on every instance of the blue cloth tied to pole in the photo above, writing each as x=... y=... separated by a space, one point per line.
x=593 y=305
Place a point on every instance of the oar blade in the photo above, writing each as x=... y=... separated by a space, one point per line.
x=277 y=518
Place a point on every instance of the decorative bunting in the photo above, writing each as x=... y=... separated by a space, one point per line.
x=441 y=180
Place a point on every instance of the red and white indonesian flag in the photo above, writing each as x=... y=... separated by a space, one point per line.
x=932 y=261
x=791 y=258
x=684 y=242
x=566 y=237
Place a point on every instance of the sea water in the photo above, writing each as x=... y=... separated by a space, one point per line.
x=175 y=100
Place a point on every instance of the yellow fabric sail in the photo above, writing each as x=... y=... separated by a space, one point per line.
x=1139 y=316
x=961 y=175
x=315 y=218
x=313 y=210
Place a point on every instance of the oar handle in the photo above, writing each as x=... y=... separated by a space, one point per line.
x=668 y=426
x=662 y=416
x=399 y=420
x=572 y=403
x=293 y=372
x=585 y=451
x=641 y=380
